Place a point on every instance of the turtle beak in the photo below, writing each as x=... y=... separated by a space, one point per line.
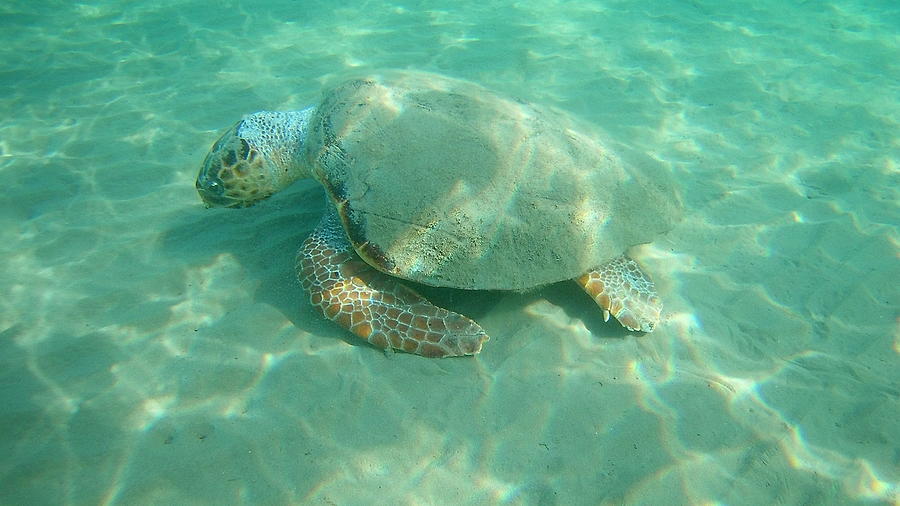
x=210 y=199
x=212 y=191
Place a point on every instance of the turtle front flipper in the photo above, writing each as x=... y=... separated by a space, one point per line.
x=623 y=290
x=377 y=307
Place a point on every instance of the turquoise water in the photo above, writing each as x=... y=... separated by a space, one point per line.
x=156 y=352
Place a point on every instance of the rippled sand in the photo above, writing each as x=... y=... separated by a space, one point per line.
x=155 y=352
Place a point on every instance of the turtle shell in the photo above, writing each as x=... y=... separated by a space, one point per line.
x=446 y=183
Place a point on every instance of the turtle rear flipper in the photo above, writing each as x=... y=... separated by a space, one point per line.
x=622 y=289
x=377 y=307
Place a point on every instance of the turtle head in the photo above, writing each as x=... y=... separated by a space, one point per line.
x=258 y=156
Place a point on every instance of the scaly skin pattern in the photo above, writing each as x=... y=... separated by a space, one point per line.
x=375 y=306
x=623 y=290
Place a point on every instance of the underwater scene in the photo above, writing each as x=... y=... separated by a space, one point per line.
x=158 y=347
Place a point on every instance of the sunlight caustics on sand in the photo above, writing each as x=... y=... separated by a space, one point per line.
x=156 y=352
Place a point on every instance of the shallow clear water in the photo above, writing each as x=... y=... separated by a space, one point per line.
x=155 y=352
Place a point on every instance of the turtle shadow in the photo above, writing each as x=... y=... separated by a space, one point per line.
x=263 y=241
x=579 y=306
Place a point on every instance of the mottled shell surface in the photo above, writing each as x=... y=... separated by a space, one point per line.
x=446 y=183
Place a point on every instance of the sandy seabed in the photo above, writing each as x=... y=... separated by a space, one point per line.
x=155 y=352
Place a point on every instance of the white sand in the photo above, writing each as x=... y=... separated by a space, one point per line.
x=155 y=352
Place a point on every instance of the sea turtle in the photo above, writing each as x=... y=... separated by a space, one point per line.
x=443 y=182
